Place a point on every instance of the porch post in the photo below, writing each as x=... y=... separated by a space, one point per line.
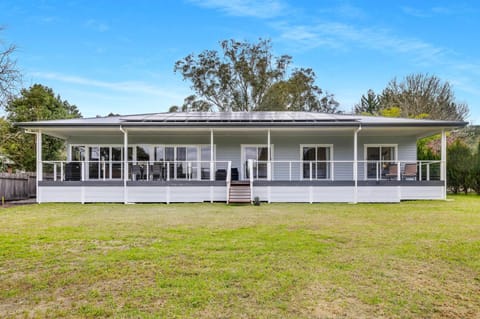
x=125 y=164
x=443 y=163
x=69 y=152
x=269 y=167
x=355 y=164
x=39 y=166
x=212 y=175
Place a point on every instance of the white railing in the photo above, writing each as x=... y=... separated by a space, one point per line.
x=344 y=170
x=137 y=170
x=253 y=170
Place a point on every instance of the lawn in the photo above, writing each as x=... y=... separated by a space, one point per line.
x=407 y=260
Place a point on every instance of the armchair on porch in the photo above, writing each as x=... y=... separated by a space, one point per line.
x=410 y=171
x=392 y=172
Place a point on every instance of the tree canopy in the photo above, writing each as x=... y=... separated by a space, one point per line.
x=369 y=104
x=416 y=96
x=33 y=104
x=9 y=74
x=248 y=77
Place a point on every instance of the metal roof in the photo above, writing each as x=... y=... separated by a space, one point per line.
x=235 y=119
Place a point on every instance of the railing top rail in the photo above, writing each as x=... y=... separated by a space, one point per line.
x=136 y=161
x=348 y=161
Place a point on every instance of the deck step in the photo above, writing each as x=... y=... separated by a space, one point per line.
x=240 y=193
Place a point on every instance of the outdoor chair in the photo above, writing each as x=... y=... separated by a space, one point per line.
x=410 y=171
x=137 y=172
x=234 y=174
x=73 y=172
x=221 y=175
x=392 y=172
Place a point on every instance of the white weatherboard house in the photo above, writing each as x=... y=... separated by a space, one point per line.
x=237 y=156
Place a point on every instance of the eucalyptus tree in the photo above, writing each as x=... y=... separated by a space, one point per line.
x=245 y=76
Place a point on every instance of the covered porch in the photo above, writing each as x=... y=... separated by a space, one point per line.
x=279 y=164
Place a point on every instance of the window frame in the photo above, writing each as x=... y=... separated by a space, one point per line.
x=380 y=145
x=331 y=165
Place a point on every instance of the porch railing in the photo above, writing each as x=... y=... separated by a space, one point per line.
x=254 y=170
x=137 y=170
x=344 y=170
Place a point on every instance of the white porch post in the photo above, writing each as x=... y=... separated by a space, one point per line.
x=69 y=152
x=39 y=166
x=443 y=163
x=269 y=166
x=125 y=164
x=355 y=164
x=212 y=175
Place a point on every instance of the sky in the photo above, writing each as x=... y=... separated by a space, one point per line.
x=118 y=56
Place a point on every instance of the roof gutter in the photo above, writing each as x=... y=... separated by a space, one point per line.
x=236 y=125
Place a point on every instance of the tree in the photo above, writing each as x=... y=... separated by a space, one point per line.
x=369 y=104
x=459 y=158
x=35 y=103
x=247 y=77
x=9 y=74
x=420 y=96
x=191 y=103
x=476 y=171
x=298 y=93
x=423 y=96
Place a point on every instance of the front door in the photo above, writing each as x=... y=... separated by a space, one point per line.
x=258 y=153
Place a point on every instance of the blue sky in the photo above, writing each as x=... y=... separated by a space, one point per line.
x=118 y=56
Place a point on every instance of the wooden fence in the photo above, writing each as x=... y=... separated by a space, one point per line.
x=17 y=186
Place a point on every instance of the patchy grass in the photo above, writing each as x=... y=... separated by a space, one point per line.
x=414 y=259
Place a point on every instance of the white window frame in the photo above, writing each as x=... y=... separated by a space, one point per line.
x=366 y=146
x=332 y=166
x=87 y=158
x=242 y=157
x=175 y=146
x=151 y=152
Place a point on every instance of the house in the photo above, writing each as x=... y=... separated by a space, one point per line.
x=237 y=156
x=6 y=165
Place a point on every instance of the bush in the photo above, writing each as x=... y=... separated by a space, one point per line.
x=459 y=167
x=475 y=175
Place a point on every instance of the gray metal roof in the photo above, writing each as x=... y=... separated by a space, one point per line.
x=235 y=119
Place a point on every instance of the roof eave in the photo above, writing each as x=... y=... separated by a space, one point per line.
x=447 y=124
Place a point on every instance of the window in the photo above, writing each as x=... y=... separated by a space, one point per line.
x=78 y=153
x=102 y=161
x=93 y=164
x=106 y=162
x=258 y=153
x=184 y=160
x=378 y=158
x=116 y=162
x=102 y=164
x=205 y=164
x=143 y=153
x=316 y=161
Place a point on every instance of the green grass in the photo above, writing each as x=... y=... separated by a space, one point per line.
x=407 y=260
